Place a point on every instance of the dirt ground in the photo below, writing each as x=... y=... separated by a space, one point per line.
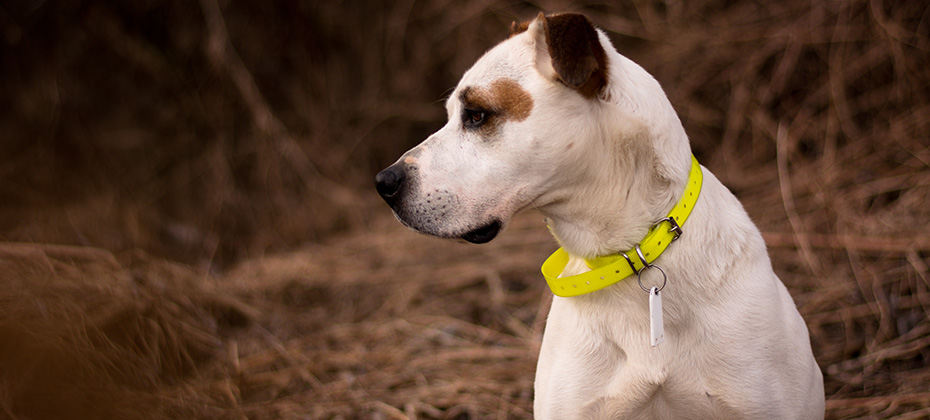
x=188 y=226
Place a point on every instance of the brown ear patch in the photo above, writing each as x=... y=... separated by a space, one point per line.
x=576 y=52
x=518 y=28
x=503 y=100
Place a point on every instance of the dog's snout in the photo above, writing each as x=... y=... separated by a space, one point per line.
x=390 y=182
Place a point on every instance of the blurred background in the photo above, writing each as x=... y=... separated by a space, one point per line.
x=189 y=229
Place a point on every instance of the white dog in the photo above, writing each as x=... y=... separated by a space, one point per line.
x=554 y=118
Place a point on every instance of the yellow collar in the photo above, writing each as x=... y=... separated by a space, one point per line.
x=610 y=269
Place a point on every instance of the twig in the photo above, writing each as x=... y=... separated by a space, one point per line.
x=291 y=360
x=223 y=55
x=835 y=404
x=391 y=411
x=850 y=242
x=784 y=183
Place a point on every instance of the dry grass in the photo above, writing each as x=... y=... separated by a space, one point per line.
x=238 y=140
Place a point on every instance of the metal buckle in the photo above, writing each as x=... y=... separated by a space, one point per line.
x=675 y=227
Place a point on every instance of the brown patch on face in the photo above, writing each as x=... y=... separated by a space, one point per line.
x=503 y=100
x=513 y=101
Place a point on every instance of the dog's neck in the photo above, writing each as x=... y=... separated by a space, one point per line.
x=636 y=174
x=603 y=218
x=613 y=200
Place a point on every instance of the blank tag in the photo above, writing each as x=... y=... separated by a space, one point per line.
x=656 y=329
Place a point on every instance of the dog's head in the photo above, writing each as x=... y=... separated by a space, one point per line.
x=514 y=119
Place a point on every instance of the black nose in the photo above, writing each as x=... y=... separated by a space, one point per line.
x=390 y=182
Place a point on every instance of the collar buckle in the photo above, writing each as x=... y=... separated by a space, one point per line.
x=675 y=228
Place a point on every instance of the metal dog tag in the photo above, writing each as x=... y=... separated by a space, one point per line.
x=656 y=329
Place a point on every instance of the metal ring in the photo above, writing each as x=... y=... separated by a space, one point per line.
x=628 y=260
x=639 y=253
x=639 y=277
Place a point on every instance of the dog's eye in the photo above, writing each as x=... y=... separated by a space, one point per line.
x=473 y=118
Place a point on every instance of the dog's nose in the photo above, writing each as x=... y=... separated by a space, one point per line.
x=389 y=183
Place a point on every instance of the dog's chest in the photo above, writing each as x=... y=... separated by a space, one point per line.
x=597 y=370
x=629 y=394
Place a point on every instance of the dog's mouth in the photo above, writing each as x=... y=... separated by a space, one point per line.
x=484 y=233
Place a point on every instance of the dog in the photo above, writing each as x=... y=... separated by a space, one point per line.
x=554 y=118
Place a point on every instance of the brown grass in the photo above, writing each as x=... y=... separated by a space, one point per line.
x=203 y=169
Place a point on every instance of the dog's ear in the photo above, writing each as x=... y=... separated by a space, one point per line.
x=574 y=50
x=518 y=28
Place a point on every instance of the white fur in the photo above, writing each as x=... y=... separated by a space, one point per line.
x=601 y=170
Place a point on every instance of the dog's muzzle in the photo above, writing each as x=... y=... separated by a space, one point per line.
x=392 y=184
